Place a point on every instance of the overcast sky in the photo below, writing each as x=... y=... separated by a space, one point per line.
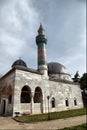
x=64 y=22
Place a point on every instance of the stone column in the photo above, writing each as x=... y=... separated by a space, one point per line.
x=44 y=102
x=32 y=102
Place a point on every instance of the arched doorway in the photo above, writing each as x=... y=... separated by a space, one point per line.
x=25 y=100
x=38 y=100
x=4 y=107
x=6 y=100
x=26 y=94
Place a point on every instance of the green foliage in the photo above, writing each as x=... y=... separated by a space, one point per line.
x=83 y=84
x=76 y=77
x=83 y=81
x=53 y=115
x=79 y=127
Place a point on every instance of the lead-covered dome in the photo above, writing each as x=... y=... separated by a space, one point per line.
x=19 y=62
x=56 y=68
x=58 y=71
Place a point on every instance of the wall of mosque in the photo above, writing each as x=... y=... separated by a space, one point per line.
x=67 y=96
x=62 y=96
x=32 y=81
x=6 y=94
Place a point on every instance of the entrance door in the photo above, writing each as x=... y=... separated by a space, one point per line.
x=4 y=107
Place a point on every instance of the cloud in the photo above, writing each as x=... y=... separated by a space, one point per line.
x=65 y=26
x=17 y=22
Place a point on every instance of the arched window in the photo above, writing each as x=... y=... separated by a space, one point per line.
x=38 y=95
x=67 y=102
x=53 y=102
x=10 y=99
x=75 y=101
x=25 y=95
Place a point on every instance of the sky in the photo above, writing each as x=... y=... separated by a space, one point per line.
x=64 y=22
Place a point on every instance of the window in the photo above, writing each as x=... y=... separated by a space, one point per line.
x=67 y=102
x=53 y=102
x=38 y=95
x=75 y=101
x=25 y=95
x=9 y=99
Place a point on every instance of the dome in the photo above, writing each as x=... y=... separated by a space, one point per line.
x=19 y=62
x=58 y=71
x=56 y=68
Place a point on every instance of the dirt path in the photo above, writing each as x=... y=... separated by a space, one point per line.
x=7 y=123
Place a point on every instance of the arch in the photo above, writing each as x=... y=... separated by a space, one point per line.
x=75 y=101
x=67 y=102
x=26 y=94
x=53 y=102
x=38 y=95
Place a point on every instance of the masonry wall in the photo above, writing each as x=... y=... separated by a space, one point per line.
x=63 y=91
x=59 y=91
x=6 y=89
x=32 y=80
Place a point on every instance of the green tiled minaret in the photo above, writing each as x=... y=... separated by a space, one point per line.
x=41 y=42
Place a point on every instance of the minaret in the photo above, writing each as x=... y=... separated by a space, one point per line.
x=41 y=42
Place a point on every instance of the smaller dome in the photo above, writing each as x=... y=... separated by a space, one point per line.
x=19 y=62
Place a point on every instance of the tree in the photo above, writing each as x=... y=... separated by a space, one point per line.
x=83 y=84
x=83 y=81
x=76 y=77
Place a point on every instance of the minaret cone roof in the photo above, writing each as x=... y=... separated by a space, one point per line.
x=41 y=31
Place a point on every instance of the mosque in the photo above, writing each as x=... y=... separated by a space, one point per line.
x=50 y=88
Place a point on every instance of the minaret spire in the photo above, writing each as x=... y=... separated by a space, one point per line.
x=41 y=42
x=41 y=31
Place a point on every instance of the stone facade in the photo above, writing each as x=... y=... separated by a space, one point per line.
x=66 y=95
x=7 y=93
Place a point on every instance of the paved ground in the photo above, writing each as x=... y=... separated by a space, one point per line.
x=7 y=123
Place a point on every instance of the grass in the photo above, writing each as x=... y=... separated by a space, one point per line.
x=52 y=116
x=79 y=127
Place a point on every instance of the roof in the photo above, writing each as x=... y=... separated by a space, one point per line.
x=56 y=68
x=19 y=62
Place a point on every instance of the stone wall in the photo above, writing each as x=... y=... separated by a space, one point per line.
x=59 y=90
x=63 y=91
x=7 y=89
